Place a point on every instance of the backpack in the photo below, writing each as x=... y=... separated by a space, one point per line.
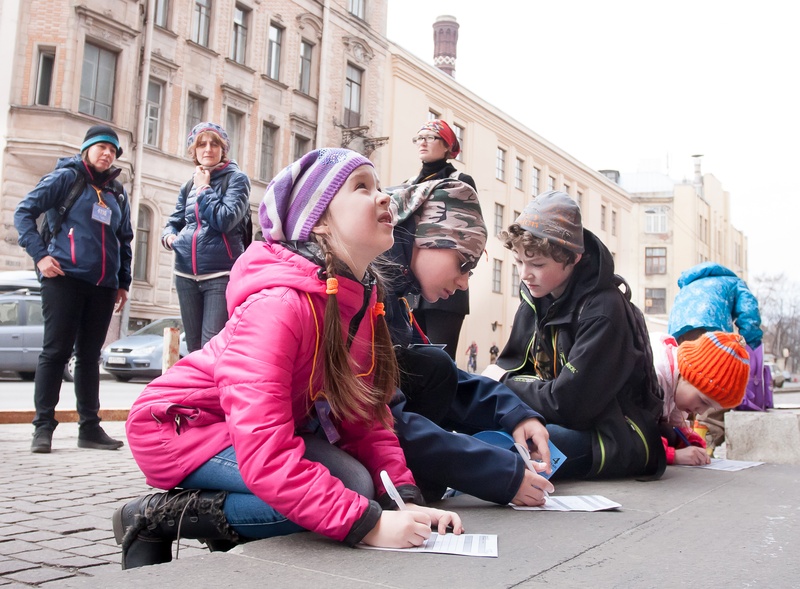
x=758 y=396
x=652 y=397
x=246 y=224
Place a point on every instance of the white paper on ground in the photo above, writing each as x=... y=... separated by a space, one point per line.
x=724 y=464
x=573 y=503
x=462 y=545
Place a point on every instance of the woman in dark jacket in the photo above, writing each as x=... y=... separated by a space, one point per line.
x=436 y=144
x=206 y=233
x=85 y=270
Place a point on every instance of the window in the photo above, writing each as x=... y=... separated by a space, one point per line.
x=44 y=76
x=306 y=51
x=518 y=165
x=535 y=181
x=580 y=199
x=602 y=217
x=613 y=222
x=655 y=220
x=302 y=145
x=356 y=8
x=432 y=115
x=162 y=13
x=195 y=111
x=500 y=164
x=458 y=130
x=352 y=96
x=97 y=82
x=239 y=38
x=499 y=214
x=233 y=125
x=497 y=276
x=514 y=279
x=566 y=188
x=155 y=91
x=655 y=300
x=655 y=260
x=274 y=52
x=201 y=22
x=142 y=250
x=551 y=183
x=269 y=134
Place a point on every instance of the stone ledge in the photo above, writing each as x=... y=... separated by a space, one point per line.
x=772 y=436
x=26 y=416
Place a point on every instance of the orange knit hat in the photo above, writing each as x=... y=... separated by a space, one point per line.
x=717 y=364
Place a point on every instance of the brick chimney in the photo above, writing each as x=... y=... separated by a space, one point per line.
x=445 y=40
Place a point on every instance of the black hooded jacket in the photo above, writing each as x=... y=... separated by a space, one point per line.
x=579 y=362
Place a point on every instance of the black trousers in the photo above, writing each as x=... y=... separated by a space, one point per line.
x=76 y=314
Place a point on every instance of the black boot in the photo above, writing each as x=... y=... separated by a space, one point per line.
x=146 y=526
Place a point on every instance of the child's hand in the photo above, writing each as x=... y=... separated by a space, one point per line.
x=441 y=518
x=534 y=430
x=531 y=491
x=692 y=456
x=400 y=529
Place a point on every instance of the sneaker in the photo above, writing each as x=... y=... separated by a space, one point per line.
x=42 y=441
x=97 y=439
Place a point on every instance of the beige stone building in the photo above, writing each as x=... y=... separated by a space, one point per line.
x=680 y=224
x=282 y=77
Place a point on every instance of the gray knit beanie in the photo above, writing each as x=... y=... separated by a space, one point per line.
x=554 y=216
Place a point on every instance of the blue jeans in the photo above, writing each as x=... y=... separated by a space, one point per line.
x=249 y=515
x=75 y=313
x=204 y=309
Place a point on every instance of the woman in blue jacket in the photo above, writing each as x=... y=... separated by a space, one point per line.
x=85 y=270
x=206 y=233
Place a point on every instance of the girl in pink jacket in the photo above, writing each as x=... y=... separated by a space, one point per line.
x=282 y=418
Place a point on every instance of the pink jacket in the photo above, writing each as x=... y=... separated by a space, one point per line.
x=249 y=387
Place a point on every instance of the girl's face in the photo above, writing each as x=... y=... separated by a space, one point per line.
x=358 y=222
x=691 y=400
x=439 y=272
x=542 y=274
x=207 y=150
x=101 y=155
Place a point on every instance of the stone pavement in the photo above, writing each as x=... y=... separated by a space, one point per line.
x=694 y=526
x=55 y=509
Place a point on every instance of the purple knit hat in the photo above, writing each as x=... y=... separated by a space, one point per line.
x=298 y=196
x=207 y=127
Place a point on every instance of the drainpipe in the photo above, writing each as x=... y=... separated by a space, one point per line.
x=138 y=153
x=322 y=103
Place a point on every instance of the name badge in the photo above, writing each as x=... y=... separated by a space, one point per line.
x=101 y=214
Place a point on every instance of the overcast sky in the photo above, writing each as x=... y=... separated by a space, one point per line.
x=638 y=84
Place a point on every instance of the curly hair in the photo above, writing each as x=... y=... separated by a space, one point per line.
x=517 y=237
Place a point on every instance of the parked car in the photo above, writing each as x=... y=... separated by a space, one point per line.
x=139 y=354
x=777 y=375
x=22 y=333
x=12 y=280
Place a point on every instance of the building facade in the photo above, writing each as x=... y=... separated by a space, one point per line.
x=282 y=77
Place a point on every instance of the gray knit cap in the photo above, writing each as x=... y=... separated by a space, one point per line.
x=554 y=216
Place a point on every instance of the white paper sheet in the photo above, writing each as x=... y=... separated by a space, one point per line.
x=573 y=503
x=729 y=465
x=462 y=545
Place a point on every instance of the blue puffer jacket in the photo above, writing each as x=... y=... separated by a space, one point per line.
x=713 y=297
x=86 y=249
x=207 y=224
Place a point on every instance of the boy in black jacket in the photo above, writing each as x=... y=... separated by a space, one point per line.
x=577 y=353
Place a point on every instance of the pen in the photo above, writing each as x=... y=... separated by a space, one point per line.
x=526 y=458
x=681 y=435
x=392 y=490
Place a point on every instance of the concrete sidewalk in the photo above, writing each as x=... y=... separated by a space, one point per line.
x=694 y=526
